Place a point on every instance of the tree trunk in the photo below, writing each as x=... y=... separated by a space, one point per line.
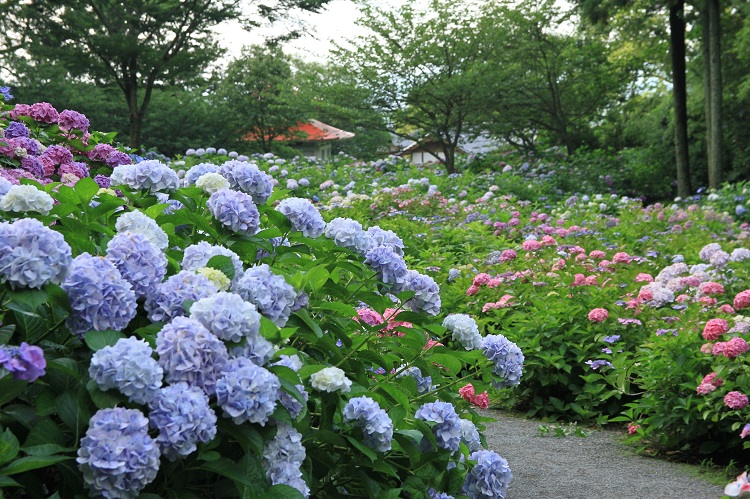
x=679 y=95
x=706 y=52
x=715 y=142
x=136 y=124
x=450 y=159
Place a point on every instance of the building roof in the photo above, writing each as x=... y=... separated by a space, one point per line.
x=428 y=146
x=311 y=131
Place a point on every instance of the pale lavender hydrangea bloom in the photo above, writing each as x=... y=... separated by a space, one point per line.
x=255 y=348
x=5 y=186
x=348 y=233
x=189 y=352
x=740 y=255
x=247 y=392
x=464 y=329
x=447 y=428
x=234 y=210
x=31 y=255
x=197 y=256
x=489 y=478
x=25 y=362
x=270 y=293
x=292 y=184
x=719 y=259
x=141 y=263
x=377 y=427
x=708 y=250
x=303 y=215
x=507 y=357
x=197 y=171
x=282 y=457
x=424 y=383
x=117 y=457
x=140 y=223
x=434 y=494
x=167 y=300
x=227 y=315
x=152 y=175
x=99 y=297
x=183 y=417
x=390 y=268
x=129 y=367
x=470 y=435
x=248 y=178
x=387 y=238
x=426 y=293
x=72 y=120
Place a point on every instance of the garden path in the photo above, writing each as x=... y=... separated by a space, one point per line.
x=597 y=466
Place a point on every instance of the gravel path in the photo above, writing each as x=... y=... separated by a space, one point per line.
x=597 y=466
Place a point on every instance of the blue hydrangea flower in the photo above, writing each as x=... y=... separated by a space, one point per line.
x=5 y=186
x=282 y=457
x=24 y=362
x=234 y=210
x=255 y=348
x=16 y=129
x=189 y=352
x=196 y=172
x=348 y=233
x=248 y=178
x=434 y=494
x=426 y=293
x=447 y=428
x=141 y=263
x=507 y=357
x=470 y=435
x=198 y=255
x=183 y=417
x=303 y=215
x=227 y=315
x=174 y=204
x=135 y=221
x=377 y=427
x=390 y=267
x=166 y=301
x=31 y=255
x=152 y=175
x=489 y=478
x=99 y=297
x=117 y=457
x=464 y=330
x=247 y=392
x=129 y=367
x=270 y=293
x=424 y=383
x=387 y=238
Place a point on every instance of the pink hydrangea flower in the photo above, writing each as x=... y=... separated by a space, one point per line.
x=705 y=388
x=633 y=428
x=598 y=315
x=480 y=279
x=508 y=255
x=734 y=348
x=472 y=290
x=726 y=309
x=579 y=280
x=742 y=299
x=622 y=257
x=531 y=245
x=549 y=241
x=369 y=317
x=645 y=295
x=708 y=300
x=735 y=400
x=712 y=288
x=643 y=277
x=597 y=255
x=715 y=328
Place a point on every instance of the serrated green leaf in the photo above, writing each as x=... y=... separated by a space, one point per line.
x=223 y=264
x=9 y=446
x=96 y=340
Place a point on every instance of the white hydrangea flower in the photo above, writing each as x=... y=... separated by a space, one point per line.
x=465 y=330
x=330 y=379
x=27 y=198
x=212 y=182
x=139 y=223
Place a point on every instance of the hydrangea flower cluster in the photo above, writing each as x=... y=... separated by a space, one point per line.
x=348 y=233
x=129 y=367
x=255 y=348
x=31 y=255
x=227 y=315
x=291 y=403
x=139 y=223
x=470 y=435
x=424 y=383
x=303 y=215
x=507 y=357
x=270 y=293
x=234 y=210
x=151 y=175
x=248 y=178
x=197 y=171
x=426 y=293
x=167 y=300
x=117 y=457
x=282 y=457
x=377 y=427
x=99 y=297
x=390 y=268
x=464 y=330
x=25 y=362
x=212 y=182
x=23 y=198
x=189 y=352
x=247 y=392
x=197 y=255
x=141 y=263
x=447 y=428
x=183 y=417
x=331 y=379
x=489 y=478
x=387 y=238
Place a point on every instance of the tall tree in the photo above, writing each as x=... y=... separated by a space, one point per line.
x=713 y=90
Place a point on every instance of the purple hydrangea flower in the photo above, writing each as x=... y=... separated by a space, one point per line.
x=489 y=478
x=390 y=267
x=247 y=392
x=426 y=293
x=596 y=364
x=424 y=383
x=303 y=215
x=196 y=172
x=248 y=178
x=99 y=296
x=167 y=300
x=507 y=357
x=387 y=238
x=183 y=417
x=102 y=181
x=282 y=457
x=348 y=233
x=434 y=494
x=25 y=362
x=447 y=428
x=72 y=120
x=129 y=367
x=43 y=112
x=227 y=315
x=31 y=255
x=117 y=457
x=152 y=175
x=141 y=263
x=612 y=339
x=74 y=168
x=270 y=293
x=16 y=129
x=189 y=352
x=198 y=255
x=117 y=158
x=377 y=427
x=234 y=210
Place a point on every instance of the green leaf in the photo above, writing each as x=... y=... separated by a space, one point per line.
x=8 y=482
x=96 y=340
x=46 y=449
x=10 y=388
x=155 y=210
x=315 y=277
x=86 y=188
x=9 y=446
x=283 y=492
x=32 y=463
x=341 y=308
x=223 y=264
x=305 y=316
x=398 y=396
x=103 y=399
x=247 y=474
x=363 y=448
x=445 y=360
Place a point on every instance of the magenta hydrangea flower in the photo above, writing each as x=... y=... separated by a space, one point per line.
x=72 y=120
x=735 y=400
